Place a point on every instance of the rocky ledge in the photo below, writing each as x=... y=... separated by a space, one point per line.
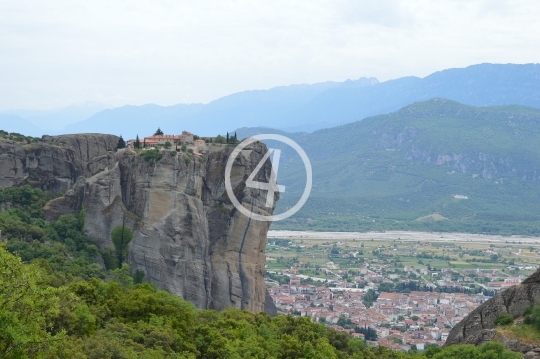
x=55 y=162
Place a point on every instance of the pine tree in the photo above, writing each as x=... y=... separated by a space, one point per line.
x=158 y=132
x=137 y=143
x=121 y=143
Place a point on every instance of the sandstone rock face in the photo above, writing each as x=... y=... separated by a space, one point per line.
x=188 y=237
x=55 y=162
x=478 y=326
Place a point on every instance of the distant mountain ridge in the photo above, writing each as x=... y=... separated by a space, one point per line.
x=50 y=121
x=311 y=107
x=14 y=123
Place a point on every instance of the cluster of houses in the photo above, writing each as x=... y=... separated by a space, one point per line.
x=410 y=320
x=401 y=321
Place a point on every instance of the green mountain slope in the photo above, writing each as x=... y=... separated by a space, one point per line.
x=387 y=171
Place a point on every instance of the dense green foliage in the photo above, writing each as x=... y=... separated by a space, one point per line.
x=489 y=350
x=60 y=245
x=26 y=309
x=118 y=319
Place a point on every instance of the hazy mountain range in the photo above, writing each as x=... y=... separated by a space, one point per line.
x=294 y=108
x=36 y=122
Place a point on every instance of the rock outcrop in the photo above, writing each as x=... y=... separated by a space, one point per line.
x=188 y=237
x=55 y=162
x=479 y=326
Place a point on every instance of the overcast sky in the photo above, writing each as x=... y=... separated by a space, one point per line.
x=56 y=53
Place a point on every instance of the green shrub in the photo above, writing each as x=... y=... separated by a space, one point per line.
x=151 y=155
x=504 y=319
x=535 y=316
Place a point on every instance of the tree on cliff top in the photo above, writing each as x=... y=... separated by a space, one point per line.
x=158 y=132
x=121 y=236
x=121 y=143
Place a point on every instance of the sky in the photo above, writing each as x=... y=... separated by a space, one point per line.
x=58 y=53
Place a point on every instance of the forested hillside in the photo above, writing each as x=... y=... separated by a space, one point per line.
x=434 y=165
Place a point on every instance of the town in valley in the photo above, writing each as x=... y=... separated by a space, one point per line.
x=400 y=290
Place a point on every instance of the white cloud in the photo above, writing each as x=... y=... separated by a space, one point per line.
x=56 y=53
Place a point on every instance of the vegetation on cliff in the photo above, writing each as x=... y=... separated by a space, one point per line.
x=525 y=329
x=58 y=303
x=17 y=137
x=118 y=319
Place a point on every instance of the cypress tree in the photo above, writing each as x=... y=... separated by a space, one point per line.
x=137 y=143
x=227 y=137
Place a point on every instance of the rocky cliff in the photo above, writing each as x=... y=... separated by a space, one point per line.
x=54 y=163
x=479 y=326
x=188 y=238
